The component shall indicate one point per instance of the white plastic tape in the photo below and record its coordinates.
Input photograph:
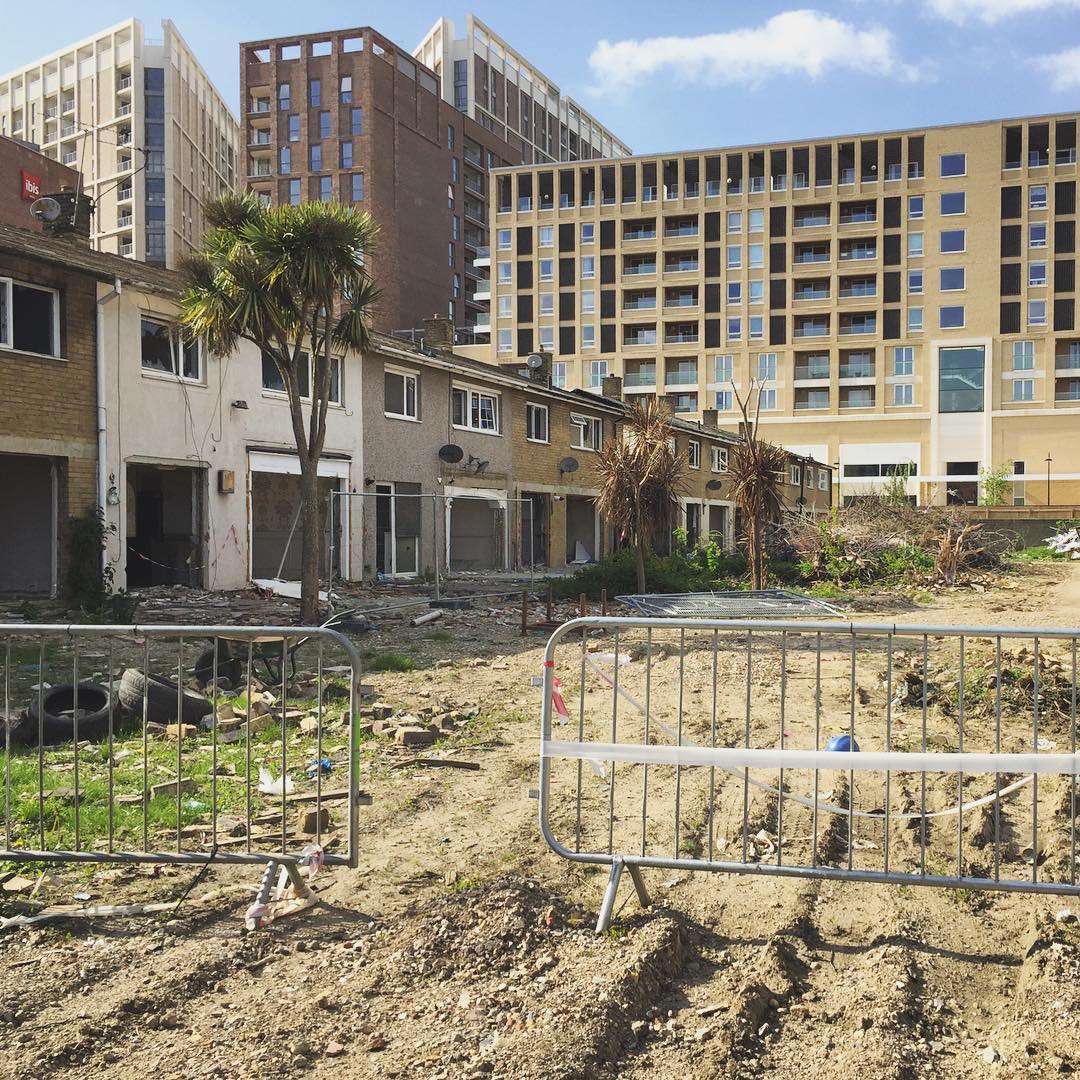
(840, 760)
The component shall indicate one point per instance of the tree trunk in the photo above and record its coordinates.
(312, 544)
(640, 549)
(754, 537)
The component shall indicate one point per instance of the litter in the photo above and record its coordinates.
(323, 765)
(269, 786)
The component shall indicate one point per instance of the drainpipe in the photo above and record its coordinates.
(102, 424)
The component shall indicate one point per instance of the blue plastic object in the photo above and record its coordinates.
(315, 767)
(843, 743)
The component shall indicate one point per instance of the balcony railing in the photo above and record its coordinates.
(643, 337)
(757, 184)
(894, 172)
(814, 401)
(681, 301)
(641, 377)
(68, 106)
(70, 157)
(1066, 156)
(565, 202)
(125, 109)
(123, 194)
(126, 248)
(863, 326)
(648, 194)
(124, 82)
(735, 187)
(123, 165)
(804, 330)
(123, 221)
(1068, 361)
(779, 183)
(799, 181)
(260, 108)
(847, 176)
(856, 401)
(691, 191)
(1069, 390)
(683, 266)
(856, 371)
(681, 376)
(66, 131)
(815, 293)
(682, 230)
(671, 191)
(810, 221)
(915, 170)
(804, 257)
(858, 217)
(642, 303)
(640, 234)
(713, 187)
(857, 254)
(639, 268)
(1038, 158)
(867, 289)
(684, 338)
(820, 371)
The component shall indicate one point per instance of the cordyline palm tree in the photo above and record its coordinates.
(640, 480)
(292, 280)
(755, 469)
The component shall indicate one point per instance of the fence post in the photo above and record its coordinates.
(524, 612)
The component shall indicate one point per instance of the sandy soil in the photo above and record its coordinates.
(462, 947)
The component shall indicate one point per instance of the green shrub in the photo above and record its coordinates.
(1037, 553)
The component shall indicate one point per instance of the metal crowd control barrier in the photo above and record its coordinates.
(144, 770)
(908, 755)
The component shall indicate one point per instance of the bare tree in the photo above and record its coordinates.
(756, 469)
(640, 480)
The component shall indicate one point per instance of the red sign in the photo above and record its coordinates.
(31, 185)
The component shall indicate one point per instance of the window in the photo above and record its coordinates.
(915, 206)
(734, 221)
(954, 164)
(725, 401)
(951, 318)
(588, 302)
(476, 410)
(326, 189)
(547, 303)
(1037, 197)
(284, 94)
(324, 125)
(756, 221)
(734, 329)
(734, 256)
(30, 318)
(1023, 355)
(1036, 313)
(586, 432)
(766, 366)
(1037, 234)
(315, 92)
(757, 256)
(588, 336)
(953, 202)
(588, 267)
(588, 232)
(719, 459)
(536, 423)
(346, 89)
(547, 270)
(914, 282)
(506, 341)
(506, 239)
(162, 350)
(734, 292)
(952, 240)
(693, 454)
(316, 157)
(401, 394)
(346, 155)
(294, 192)
(356, 121)
(903, 360)
(1023, 389)
(558, 374)
(455, 170)
(722, 368)
(546, 338)
(915, 245)
(768, 399)
(952, 278)
(272, 380)
(285, 160)
(506, 273)
(757, 327)
(915, 320)
(903, 393)
(795, 475)
(546, 238)
(757, 292)
(1037, 274)
(961, 374)
(294, 128)
(598, 370)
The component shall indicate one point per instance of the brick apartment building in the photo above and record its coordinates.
(25, 175)
(906, 299)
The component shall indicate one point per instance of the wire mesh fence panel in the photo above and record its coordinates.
(904, 754)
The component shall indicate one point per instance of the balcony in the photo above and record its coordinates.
(473, 239)
(640, 234)
(648, 193)
(857, 397)
(123, 194)
(482, 324)
(260, 168)
(473, 157)
(126, 247)
(847, 176)
(799, 182)
(681, 336)
(51, 112)
(680, 265)
(67, 106)
(644, 376)
(691, 191)
(857, 324)
(482, 293)
(685, 403)
(124, 109)
(475, 187)
(682, 300)
(857, 252)
(640, 303)
(811, 217)
(757, 184)
(811, 399)
(735, 187)
(851, 287)
(69, 157)
(632, 269)
(123, 221)
(858, 215)
(683, 375)
(67, 131)
(680, 230)
(671, 191)
(807, 255)
(812, 369)
(482, 257)
(1067, 390)
(1038, 159)
(124, 165)
(260, 107)
(713, 188)
(812, 290)
(1065, 156)
(808, 328)
(641, 336)
(894, 171)
(915, 170)
(857, 365)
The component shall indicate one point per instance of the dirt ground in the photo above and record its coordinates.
(462, 947)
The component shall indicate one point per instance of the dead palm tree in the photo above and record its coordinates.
(292, 280)
(640, 480)
(756, 470)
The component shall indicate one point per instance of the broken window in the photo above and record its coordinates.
(693, 454)
(401, 394)
(164, 350)
(586, 432)
(536, 422)
(272, 379)
(719, 459)
(29, 318)
(476, 409)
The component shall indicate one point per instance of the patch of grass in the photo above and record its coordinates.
(826, 590)
(440, 635)
(387, 661)
(1036, 553)
(465, 884)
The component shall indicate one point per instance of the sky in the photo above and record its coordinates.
(681, 75)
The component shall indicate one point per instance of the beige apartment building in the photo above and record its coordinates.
(903, 300)
(142, 122)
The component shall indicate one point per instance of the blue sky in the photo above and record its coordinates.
(721, 73)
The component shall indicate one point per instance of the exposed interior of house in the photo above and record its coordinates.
(164, 525)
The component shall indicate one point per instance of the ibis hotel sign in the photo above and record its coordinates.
(31, 185)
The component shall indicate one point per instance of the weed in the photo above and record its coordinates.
(387, 661)
(440, 635)
(465, 884)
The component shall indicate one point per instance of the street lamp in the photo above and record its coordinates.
(1048, 460)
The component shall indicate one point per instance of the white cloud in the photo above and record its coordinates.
(792, 43)
(992, 11)
(1063, 68)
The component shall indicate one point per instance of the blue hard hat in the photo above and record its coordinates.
(844, 743)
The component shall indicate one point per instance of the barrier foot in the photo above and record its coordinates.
(606, 908)
(289, 895)
(639, 886)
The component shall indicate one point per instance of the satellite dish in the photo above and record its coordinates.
(451, 454)
(45, 209)
(568, 465)
(534, 360)
(715, 485)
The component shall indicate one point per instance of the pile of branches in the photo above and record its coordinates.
(875, 539)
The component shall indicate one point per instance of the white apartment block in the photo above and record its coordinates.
(483, 76)
(141, 120)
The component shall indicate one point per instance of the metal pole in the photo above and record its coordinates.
(1049, 459)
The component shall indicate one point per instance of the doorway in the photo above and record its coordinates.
(276, 536)
(29, 491)
(534, 529)
(962, 492)
(164, 525)
(582, 531)
(693, 524)
(397, 529)
(719, 526)
(476, 532)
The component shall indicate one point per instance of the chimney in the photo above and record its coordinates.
(76, 210)
(439, 333)
(708, 419)
(611, 387)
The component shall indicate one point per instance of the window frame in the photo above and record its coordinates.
(942, 250)
(720, 459)
(693, 453)
(534, 409)
(579, 423)
(905, 390)
(405, 374)
(907, 361)
(942, 308)
(1032, 283)
(176, 352)
(7, 325)
(1030, 396)
(479, 393)
(941, 164)
(1026, 355)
